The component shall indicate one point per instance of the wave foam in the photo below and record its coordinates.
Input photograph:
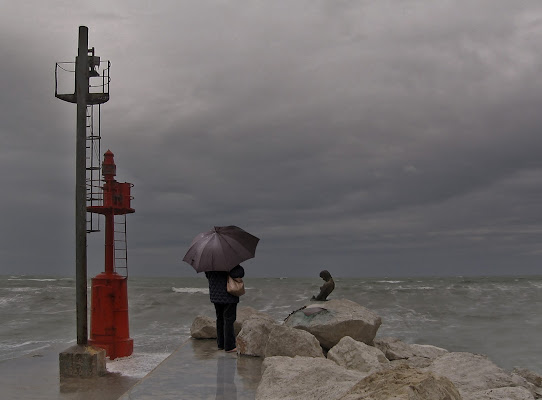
(190, 290)
(138, 365)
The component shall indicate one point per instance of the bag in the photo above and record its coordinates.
(235, 286)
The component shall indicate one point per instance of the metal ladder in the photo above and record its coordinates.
(93, 167)
(121, 245)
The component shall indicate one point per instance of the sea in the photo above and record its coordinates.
(499, 317)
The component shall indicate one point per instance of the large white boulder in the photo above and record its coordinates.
(203, 327)
(351, 354)
(473, 373)
(302, 378)
(403, 383)
(252, 339)
(339, 318)
(290, 342)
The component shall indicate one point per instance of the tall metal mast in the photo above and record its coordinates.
(83, 360)
(81, 92)
(85, 68)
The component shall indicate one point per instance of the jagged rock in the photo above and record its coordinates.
(414, 362)
(302, 378)
(351, 354)
(530, 376)
(290, 342)
(473, 373)
(252, 339)
(427, 351)
(203, 327)
(505, 393)
(403, 383)
(340, 318)
(395, 349)
(244, 313)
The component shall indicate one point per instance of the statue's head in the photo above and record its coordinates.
(325, 275)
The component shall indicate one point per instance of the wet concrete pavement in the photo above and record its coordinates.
(196, 370)
(36, 377)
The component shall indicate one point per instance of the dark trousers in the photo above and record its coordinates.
(225, 317)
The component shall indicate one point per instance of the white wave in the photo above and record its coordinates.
(414, 288)
(389, 281)
(138, 365)
(4, 301)
(24, 289)
(71, 310)
(190, 290)
(41, 343)
(33, 279)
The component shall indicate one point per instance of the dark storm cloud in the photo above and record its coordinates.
(368, 137)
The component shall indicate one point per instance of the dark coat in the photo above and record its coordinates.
(218, 282)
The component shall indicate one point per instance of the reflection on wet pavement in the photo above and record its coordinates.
(198, 370)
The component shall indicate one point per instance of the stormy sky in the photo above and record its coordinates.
(369, 138)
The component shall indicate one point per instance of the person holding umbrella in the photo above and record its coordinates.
(219, 253)
(225, 306)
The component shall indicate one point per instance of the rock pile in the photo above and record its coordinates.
(330, 351)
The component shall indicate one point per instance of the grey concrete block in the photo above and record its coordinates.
(82, 362)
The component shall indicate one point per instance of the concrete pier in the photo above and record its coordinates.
(195, 370)
(198, 370)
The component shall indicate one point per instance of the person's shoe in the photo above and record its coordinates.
(221, 348)
(234, 350)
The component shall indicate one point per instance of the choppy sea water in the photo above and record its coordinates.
(496, 316)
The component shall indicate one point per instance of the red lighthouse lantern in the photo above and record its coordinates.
(109, 328)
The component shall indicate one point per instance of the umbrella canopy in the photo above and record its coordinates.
(221, 249)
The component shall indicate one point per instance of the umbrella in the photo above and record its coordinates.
(221, 249)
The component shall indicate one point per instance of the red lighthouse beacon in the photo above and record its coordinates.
(109, 327)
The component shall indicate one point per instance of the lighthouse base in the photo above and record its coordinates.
(109, 315)
(114, 348)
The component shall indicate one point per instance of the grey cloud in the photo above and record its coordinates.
(371, 137)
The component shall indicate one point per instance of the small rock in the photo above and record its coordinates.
(530, 376)
(395, 349)
(203, 327)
